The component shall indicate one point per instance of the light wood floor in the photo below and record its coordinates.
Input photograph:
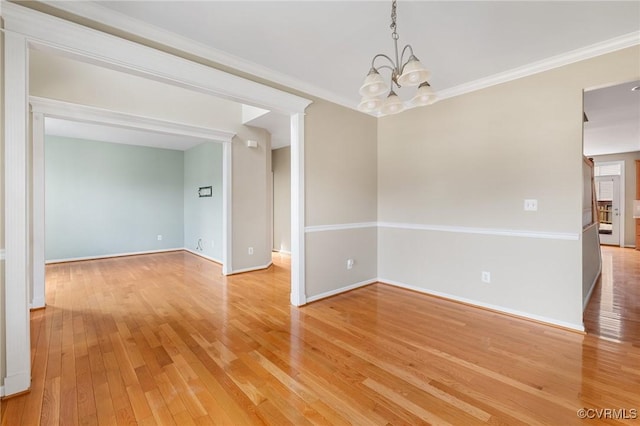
(614, 309)
(165, 339)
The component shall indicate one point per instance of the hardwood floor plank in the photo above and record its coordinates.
(166, 339)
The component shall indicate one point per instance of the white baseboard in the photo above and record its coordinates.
(107, 256)
(17, 383)
(37, 304)
(629, 246)
(256, 268)
(593, 286)
(496, 308)
(1, 391)
(340, 290)
(281, 252)
(197, 253)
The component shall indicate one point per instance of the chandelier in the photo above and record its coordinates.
(410, 73)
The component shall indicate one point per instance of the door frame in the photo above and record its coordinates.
(45, 107)
(621, 192)
(26, 29)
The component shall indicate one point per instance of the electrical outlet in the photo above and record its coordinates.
(486, 277)
(531, 205)
(349, 263)
(251, 250)
(159, 237)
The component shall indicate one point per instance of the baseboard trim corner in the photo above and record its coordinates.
(17, 384)
(204, 256)
(341, 290)
(253, 269)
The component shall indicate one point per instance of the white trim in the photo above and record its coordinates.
(483, 231)
(109, 256)
(298, 291)
(547, 64)
(2, 254)
(585, 302)
(89, 114)
(37, 303)
(340, 290)
(204, 256)
(251, 269)
(285, 252)
(340, 227)
(78, 42)
(629, 246)
(16, 272)
(1, 391)
(621, 196)
(151, 32)
(525, 315)
(162, 36)
(17, 383)
(445, 228)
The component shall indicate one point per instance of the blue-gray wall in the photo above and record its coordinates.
(203, 216)
(105, 198)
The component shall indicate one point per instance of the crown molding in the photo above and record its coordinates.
(587, 52)
(49, 33)
(142, 29)
(120, 21)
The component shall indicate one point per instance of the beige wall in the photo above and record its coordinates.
(341, 188)
(470, 161)
(64, 79)
(340, 165)
(281, 164)
(629, 191)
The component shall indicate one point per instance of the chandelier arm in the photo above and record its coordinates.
(382, 55)
(401, 64)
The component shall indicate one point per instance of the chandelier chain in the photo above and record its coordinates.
(394, 15)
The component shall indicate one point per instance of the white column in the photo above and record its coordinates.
(227, 211)
(16, 71)
(37, 208)
(298, 297)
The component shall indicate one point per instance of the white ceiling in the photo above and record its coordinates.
(324, 48)
(614, 120)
